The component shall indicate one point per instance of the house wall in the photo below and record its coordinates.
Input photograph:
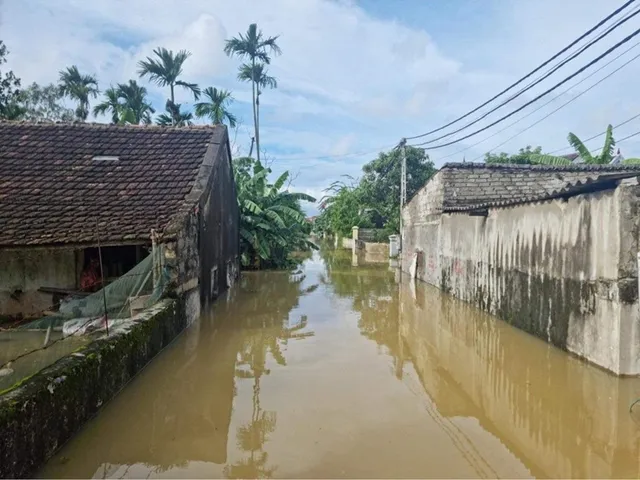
(565, 271)
(219, 232)
(28, 270)
(204, 258)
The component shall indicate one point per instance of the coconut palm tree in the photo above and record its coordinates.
(78, 87)
(174, 116)
(257, 74)
(254, 47)
(215, 108)
(165, 69)
(110, 104)
(134, 98)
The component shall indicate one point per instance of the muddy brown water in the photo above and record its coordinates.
(346, 371)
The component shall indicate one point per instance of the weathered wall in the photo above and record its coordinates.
(346, 242)
(376, 252)
(219, 231)
(44, 411)
(564, 271)
(206, 250)
(28, 270)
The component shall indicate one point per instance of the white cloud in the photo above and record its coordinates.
(348, 81)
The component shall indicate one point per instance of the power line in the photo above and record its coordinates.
(563, 105)
(538, 81)
(559, 84)
(342, 155)
(547, 103)
(597, 135)
(539, 67)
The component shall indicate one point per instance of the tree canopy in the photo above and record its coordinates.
(374, 201)
(272, 222)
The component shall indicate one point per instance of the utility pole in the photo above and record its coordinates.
(403, 184)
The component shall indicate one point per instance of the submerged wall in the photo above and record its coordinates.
(44, 411)
(24, 271)
(565, 271)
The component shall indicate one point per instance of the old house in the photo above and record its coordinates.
(552, 250)
(71, 192)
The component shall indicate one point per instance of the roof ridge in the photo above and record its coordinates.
(98, 125)
(580, 167)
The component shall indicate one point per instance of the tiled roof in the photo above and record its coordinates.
(54, 191)
(469, 186)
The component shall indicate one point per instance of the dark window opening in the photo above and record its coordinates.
(116, 261)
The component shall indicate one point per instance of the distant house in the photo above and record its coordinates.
(67, 189)
(550, 249)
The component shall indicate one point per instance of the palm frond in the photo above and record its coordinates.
(195, 89)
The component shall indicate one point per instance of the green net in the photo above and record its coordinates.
(136, 290)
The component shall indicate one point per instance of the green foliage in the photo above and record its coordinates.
(272, 222)
(79, 87)
(254, 47)
(174, 116)
(375, 200)
(522, 157)
(606, 154)
(126, 103)
(381, 182)
(44, 102)
(110, 104)
(216, 107)
(134, 102)
(9, 89)
(164, 70)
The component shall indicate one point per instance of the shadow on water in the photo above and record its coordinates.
(345, 371)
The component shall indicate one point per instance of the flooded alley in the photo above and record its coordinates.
(346, 371)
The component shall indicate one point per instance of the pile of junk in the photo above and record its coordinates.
(113, 305)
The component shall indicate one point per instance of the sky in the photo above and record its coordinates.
(355, 76)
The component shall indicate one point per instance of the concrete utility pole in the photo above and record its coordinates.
(403, 183)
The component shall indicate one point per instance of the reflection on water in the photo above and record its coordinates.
(344, 371)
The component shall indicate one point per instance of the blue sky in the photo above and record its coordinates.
(355, 75)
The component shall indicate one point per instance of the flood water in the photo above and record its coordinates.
(346, 371)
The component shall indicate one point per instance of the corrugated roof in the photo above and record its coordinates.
(469, 186)
(53, 191)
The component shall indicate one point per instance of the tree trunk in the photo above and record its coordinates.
(173, 102)
(255, 115)
(258, 121)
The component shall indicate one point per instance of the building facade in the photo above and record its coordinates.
(71, 193)
(551, 250)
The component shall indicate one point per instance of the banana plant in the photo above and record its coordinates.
(272, 223)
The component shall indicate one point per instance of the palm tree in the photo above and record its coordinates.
(257, 74)
(78, 87)
(253, 46)
(165, 70)
(174, 117)
(134, 99)
(111, 103)
(216, 106)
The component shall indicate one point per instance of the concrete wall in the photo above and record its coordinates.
(376, 252)
(38, 415)
(564, 271)
(28, 270)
